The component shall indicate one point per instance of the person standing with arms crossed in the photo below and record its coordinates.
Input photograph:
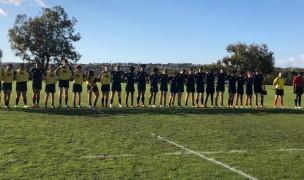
(209, 87)
(77, 85)
(21, 77)
(190, 84)
(153, 87)
(298, 82)
(117, 76)
(278, 84)
(200, 76)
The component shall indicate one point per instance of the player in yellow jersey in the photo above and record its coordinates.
(77, 85)
(92, 87)
(50, 85)
(105, 79)
(8, 78)
(278, 84)
(64, 73)
(21, 77)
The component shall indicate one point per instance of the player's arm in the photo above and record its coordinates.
(71, 70)
(57, 71)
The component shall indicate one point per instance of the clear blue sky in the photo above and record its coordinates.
(167, 31)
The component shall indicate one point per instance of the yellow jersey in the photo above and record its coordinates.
(78, 77)
(64, 73)
(21, 75)
(105, 78)
(91, 81)
(8, 76)
(1, 71)
(50, 78)
(278, 83)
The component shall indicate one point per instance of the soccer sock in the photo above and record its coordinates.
(34, 100)
(17, 101)
(111, 101)
(196, 101)
(38, 99)
(66, 100)
(74, 103)
(262, 102)
(106, 101)
(119, 100)
(60, 101)
(25, 101)
(299, 101)
(296, 102)
(143, 100)
(138, 99)
(102, 101)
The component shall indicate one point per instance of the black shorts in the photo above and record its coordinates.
(21, 86)
(210, 89)
(77, 88)
(240, 91)
(200, 88)
(37, 85)
(130, 88)
(258, 89)
(220, 88)
(154, 88)
(279, 92)
(298, 90)
(163, 87)
(180, 88)
(94, 89)
(7, 86)
(191, 88)
(232, 90)
(105, 87)
(50, 88)
(116, 87)
(141, 86)
(173, 89)
(249, 90)
(64, 83)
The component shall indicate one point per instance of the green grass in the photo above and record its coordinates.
(117, 143)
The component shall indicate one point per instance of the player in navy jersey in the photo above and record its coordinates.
(200, 76)
(180, 78)
(209, 87)
(37, 75)
(117, 76)
(231, 88)
(259, 87)
(240, 89)
(129, 77)
(190, 79)
(141, 77)
(220, 86)
(173, 88)
(163, 78)
(249, 91)
(153, 87)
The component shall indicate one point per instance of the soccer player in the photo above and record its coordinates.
(37, 74)
(173, 88)
(231, 88)
(278, 84)
(249, 91)
(21, 77)
(105, 79)
(92, 87)
(141, 77)
(117, 75)
(129, 77)
(8, 78)
(50, 85)
(200, 76)
(298, 82)
(209, 87)
(77, 85)
(153, 87)
(240, 89)
(220, 86)
(180, 78)
(163, 78)
(190, 79)
(64, 72)
(259, 87)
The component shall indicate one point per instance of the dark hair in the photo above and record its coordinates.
(91, 73)
(143, 66)
(257, 70)
(38, 62)
(78, 66)
(242, 72)
(65, 60)
(118, 66)
(300, 73)
(155, 69)
(10, 64)
(132, 68)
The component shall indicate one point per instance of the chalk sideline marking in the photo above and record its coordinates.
(205, 157)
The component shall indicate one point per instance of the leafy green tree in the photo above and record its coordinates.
(47, 37)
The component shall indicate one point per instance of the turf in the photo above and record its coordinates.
(117, 143)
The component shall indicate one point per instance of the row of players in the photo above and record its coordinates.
(254, 84)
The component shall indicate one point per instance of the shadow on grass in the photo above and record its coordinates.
(156, 111)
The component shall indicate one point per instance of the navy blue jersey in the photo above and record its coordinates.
(116, 76)
(190, 79)
(163, 78)
(210, 79)
(129, 77)
(231, 81)
(37, 74)
(240, 82)
(249, 82)
(200, 78)
(154, 79)
(173, 84)
(141, 77)
(221, 78)
(180, 78)
(258, 80)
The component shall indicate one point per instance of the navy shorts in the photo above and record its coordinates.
(180, 88)
(191, 88)
(50, 88)
(249, 91)
(220, 88)
(77, 88)
(94, 89)
(21, 86)
(37, 85)
(141, 87)
(7, 86)
(258, 89)
(154, 89)
(210, 89)
(130, 88)
(298, 90)
(163, 87)
(279, 92)
(240, 91)
(200, 88)
(116, 87)
(64, 83)
(105, 87)
(232, 90)
(174, 90)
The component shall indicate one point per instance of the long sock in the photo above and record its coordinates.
(119, 100)
(34, 100)
(74, 103)
(25, 101)
(102, 101)
(38, 99)
(296, 102)
(106, 101)
(228, 101)
(143, 100)
(138, 98)
(262, 102)
(60, 101)
(111, 101)
(196, 101)
(17, 101)
(66, 100)
(299, 101)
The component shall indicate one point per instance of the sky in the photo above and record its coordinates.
(171, 31)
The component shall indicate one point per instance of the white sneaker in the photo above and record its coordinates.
(90, 106)
(241, 107)
(66, 106)
(120, 105)
(275, 107)
(149, 105)
(300, 107)
(131, 106)
(111, 105)
(78, 106)
(296, 107)
(153, 106)
(212, 106)
(160, 105)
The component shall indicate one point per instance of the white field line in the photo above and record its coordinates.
(93, 109)
(108, 156)
(205, 157)
(290, 150)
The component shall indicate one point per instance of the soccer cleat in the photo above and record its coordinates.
(90, 106)
(66, 106)
(300, 107)
(160, 105)
(241, 107)
(6, 107)
(212, 106)
(78, 106)
(110, 105)
(120, 105)
(131, 106)
(149, 105)
(52, 107)
(153, 106)
(283, 107)
(25, 106)
(16, 106)
(143, 105)
(275, 107)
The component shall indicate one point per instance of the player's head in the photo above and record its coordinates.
(22, 66)
(132, 69)
(190, 71)
(155, 70)
(200, 69)
(182, 71)
(249, 74)
(78, 67)
(280, 74)
(165, 71)
(38, 64)
(257, 71)
(106, 68)
(52, 67)
(174, 73)
(222, 70)
(91, 73)
(65, 62)
(142, 67)
(9, 67)
(118, 67)
(300, 74)
(242, 73)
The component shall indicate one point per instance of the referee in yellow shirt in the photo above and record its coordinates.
(278, 84)
(21, 77)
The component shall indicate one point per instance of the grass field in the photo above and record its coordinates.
(152, 143)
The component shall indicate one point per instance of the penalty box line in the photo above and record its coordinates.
(205, 157)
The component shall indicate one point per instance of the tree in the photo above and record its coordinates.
(46, 38)
(249, 57)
